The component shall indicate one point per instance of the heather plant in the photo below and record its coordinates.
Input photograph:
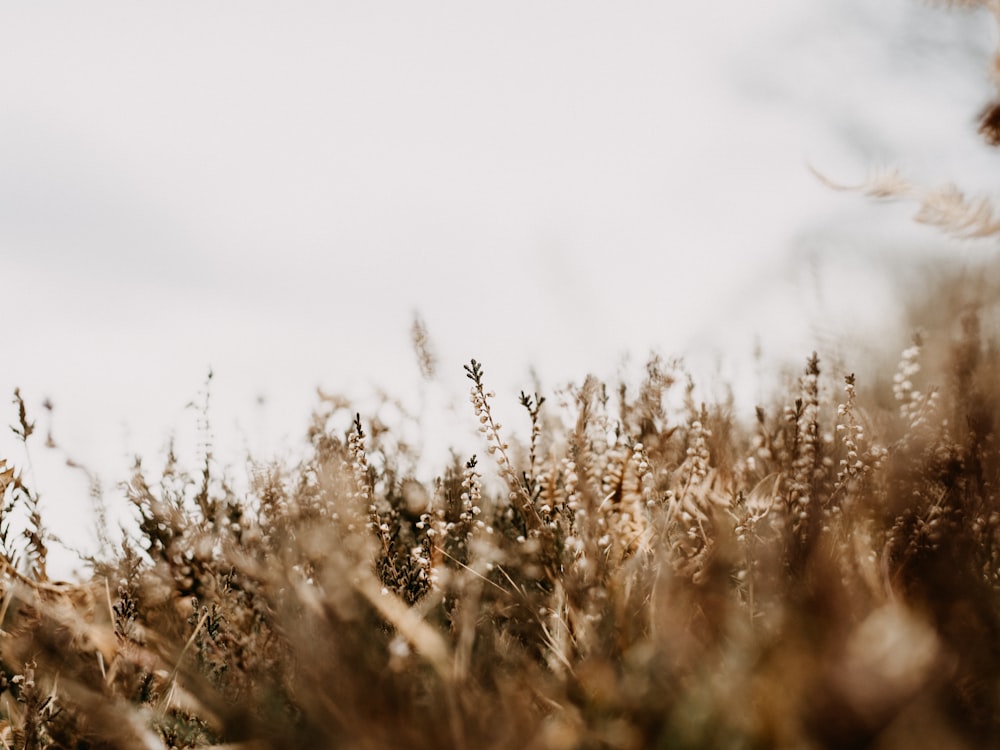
(642, 567)
(642, 571)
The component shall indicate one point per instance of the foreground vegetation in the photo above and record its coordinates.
(644, 570)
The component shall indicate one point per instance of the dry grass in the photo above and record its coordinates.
(643, 571)
(947, 207)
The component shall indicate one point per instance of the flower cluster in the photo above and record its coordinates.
(497, 447)
(915, 407)
(859, 458)
(472, 497)
(698, 456)
(806, 465)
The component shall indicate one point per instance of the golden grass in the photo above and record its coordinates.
(644, 571)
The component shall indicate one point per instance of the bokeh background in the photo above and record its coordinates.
(274, 191)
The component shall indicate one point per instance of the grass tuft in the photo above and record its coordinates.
(640, 571)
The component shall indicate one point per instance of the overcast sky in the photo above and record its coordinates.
(273, 189)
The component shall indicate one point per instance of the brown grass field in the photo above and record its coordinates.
(644, 570)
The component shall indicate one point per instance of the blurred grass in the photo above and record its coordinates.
(643, 570)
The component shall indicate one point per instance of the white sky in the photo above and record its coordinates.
(272, 189)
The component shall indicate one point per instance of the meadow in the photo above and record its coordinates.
(644, 568)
